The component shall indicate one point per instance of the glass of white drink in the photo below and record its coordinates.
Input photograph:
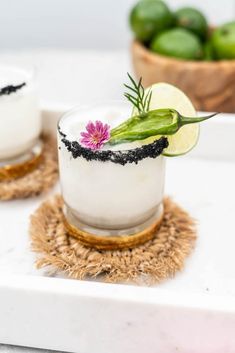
(20, 123)
(112, 191)
(112, 169)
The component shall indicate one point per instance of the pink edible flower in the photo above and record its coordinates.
(96, 135)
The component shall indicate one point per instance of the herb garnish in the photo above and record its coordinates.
(143, 124)
(149, 123)
(141, 100)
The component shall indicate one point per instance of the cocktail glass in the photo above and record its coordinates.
(20, 123)
(111, 192)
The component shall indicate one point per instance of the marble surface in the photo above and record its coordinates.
(192, 183)
(65, 78)
(16, 349)
(203, 187)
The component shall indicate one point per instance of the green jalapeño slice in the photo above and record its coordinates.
(153, 123)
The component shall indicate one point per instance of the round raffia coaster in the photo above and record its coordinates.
(150, 263)
(39, 180)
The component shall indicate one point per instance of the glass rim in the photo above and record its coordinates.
(78, 107)
(29, 71)
(133, 155)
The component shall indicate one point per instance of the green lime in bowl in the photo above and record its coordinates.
(223, 41)
(193, 20)
(178, 43)
(208, 51)
(149, 17)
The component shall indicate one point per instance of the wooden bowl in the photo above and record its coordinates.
(210, 85)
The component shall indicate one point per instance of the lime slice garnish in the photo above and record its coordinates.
(165, 95)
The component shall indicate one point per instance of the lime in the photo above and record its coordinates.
(149, 17)
(193, 20)
(165, 95)
(223, 41)
(208, 52)
(178, 43)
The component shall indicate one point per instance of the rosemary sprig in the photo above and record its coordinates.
(140, 99)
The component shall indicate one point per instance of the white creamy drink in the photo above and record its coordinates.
(107, 194)
(20, 121)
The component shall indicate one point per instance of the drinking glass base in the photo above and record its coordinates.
(21, 165)
(112, 239)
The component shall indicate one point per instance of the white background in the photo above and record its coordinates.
(85, 24)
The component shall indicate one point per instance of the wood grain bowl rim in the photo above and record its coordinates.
(138, 49)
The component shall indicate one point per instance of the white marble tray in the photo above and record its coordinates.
(192, 313)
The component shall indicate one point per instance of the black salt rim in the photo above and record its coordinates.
(135, 155)
(11, 89)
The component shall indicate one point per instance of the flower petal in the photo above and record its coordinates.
(97, 134)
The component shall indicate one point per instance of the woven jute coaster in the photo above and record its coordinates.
(39, 180)
(150, 263)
